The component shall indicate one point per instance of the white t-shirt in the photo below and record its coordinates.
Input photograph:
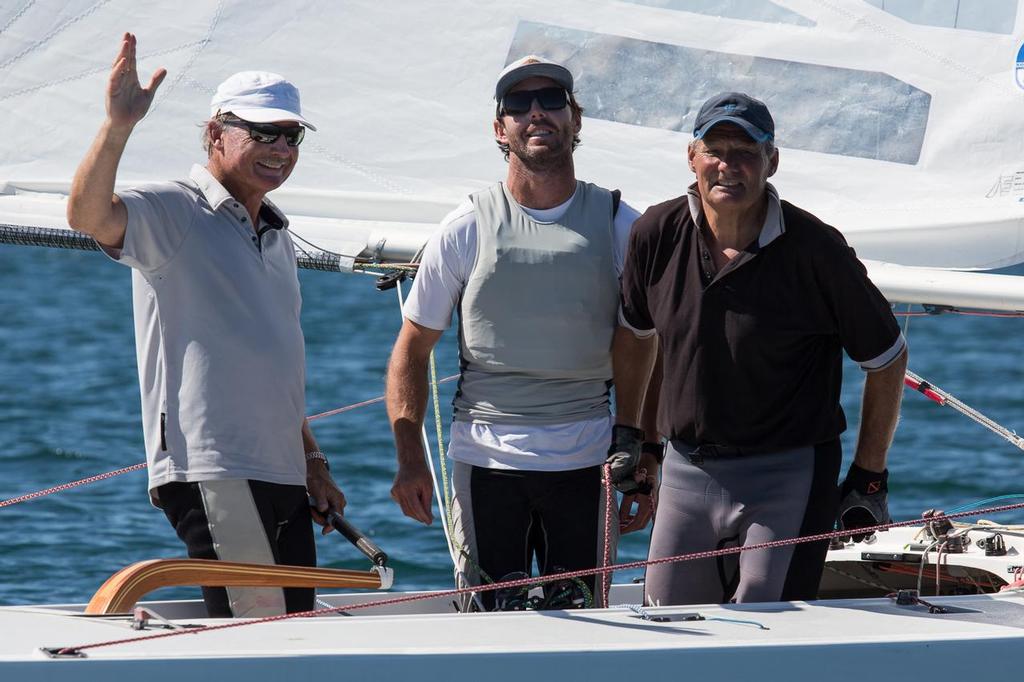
(448, 259)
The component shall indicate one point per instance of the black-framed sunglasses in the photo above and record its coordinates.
(520, 101)
(267, 133)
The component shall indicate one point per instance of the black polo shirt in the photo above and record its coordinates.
(753, 353)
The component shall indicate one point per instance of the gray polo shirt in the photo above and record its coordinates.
(219, 344)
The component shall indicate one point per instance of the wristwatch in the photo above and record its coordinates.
(316, 454)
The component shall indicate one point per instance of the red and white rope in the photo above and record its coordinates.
(609, 518)
(371, 401)
(72, 484)
(142, 465)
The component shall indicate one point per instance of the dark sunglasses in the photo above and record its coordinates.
(520, 101)
(267, 133)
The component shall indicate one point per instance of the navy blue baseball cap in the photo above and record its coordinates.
(735, 107)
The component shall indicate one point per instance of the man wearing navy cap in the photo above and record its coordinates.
(753, 301)
(531, 265)
(220, 348)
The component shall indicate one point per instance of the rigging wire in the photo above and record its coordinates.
(323, 260)
(982, 503)
(936, 394)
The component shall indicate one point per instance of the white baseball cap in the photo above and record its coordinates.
(258, 97)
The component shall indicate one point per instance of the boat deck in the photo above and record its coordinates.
(425, 638)
(847, 639)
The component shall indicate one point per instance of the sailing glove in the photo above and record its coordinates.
(623, 457)
(863, 501)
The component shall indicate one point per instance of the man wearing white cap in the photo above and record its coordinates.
(220, 348)
(532, 267)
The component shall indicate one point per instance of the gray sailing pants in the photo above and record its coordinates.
(742, 500)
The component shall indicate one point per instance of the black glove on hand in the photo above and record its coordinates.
(623, 456)
(863, 501)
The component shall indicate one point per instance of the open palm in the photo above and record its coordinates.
(127, 100)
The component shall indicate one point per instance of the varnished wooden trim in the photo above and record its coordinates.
(123, 589)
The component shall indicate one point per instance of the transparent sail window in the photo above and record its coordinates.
(865, 114)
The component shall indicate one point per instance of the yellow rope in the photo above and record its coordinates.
(440, 450)
(446, 491)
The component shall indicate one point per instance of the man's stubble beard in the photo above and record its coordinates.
(545, 160)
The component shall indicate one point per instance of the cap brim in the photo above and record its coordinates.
(555, 72)
(269, 116)
(755, 133)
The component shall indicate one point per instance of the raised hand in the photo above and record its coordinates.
(127, 100)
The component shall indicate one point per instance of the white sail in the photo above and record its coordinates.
(899, 123)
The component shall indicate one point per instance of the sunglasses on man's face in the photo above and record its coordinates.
(521, 101)
(267, 133)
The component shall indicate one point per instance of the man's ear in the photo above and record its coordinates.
(215, 132)
(773, 163)
(499, 131)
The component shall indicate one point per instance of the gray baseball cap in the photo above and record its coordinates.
(528, 67)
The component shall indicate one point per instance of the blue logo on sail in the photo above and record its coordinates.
(1019, 71)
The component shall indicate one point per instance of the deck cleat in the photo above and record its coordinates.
(994, 545)
(939, 528)
(955, 544)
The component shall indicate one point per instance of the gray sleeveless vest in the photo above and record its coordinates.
(538, 312)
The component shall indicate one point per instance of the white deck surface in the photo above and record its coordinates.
(851, 639)
(843, 638)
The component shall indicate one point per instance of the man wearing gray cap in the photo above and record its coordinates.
(754, 301)
(531, 265)
(220, 348)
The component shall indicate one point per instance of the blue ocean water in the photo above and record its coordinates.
(69, 408)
